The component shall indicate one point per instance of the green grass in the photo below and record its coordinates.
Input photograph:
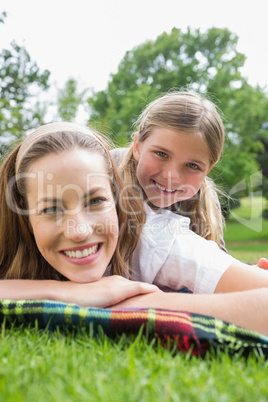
(246, 232)
(54, 366)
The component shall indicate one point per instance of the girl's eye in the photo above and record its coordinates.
(193, 166)
(161, 154)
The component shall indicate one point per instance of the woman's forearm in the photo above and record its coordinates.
(247, 309)
(17, 289)
(103, 293)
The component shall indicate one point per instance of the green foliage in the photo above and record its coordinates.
(69, 99)
(176, 60)
(203, 61)
(20, 84)
(3, 16)
(207, 62)
(263, 161)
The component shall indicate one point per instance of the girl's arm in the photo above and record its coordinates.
(104, 293)
(241, 276)
(247, 309)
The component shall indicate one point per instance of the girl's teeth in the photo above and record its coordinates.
(164, 189)
(82, 254)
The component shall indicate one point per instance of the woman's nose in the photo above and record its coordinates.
(77, 228)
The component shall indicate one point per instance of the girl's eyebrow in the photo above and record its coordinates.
(162, 148)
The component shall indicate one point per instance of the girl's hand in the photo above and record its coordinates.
(108, 291)
(262, 263)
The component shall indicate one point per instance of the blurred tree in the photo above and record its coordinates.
(263, 161)
(244, 112)
(206, 62)
(176, 60)
(3, 16)
(69, 100)
(21, 83)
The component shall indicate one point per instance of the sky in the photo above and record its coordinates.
(87, 39)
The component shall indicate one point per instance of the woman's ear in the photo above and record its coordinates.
(136, 147)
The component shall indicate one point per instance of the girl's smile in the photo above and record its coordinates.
(72, 213)
(171, 165)
(164, 190)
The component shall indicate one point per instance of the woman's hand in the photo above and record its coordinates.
(108, 291)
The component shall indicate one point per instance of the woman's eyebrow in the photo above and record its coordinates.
(49, 199)
(56, 200)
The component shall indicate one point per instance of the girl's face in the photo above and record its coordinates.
(171, 165)
(72, 213)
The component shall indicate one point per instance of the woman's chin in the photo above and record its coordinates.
(83, 278)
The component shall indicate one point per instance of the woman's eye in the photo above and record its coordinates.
(193, 166)
(96, 201)
(161, 154)
(50, 210)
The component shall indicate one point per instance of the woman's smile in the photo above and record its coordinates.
(84, 255)
(82, 251)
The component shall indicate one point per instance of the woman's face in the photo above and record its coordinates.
(72, 213)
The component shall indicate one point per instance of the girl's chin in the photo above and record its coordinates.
(162, 203)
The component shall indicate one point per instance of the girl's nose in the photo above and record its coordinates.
(172, 174)
(77, 228)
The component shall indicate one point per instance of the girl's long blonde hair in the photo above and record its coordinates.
(19, 255)
(191, 113)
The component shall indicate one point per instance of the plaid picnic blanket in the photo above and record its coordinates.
(192, 333)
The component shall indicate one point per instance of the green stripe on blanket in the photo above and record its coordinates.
(191, 332)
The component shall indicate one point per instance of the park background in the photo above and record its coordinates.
(100, 63)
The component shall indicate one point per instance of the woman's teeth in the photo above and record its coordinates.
(82, 254)
(164, 189)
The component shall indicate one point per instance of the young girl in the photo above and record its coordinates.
(179, 139)
(61, 218)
